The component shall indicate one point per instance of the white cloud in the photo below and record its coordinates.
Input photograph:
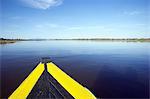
(42, 4)
(47, 25)
(58, 26)
(52, 25)
(132, 12)
(39, 26)
(85, 27)
(16, 17)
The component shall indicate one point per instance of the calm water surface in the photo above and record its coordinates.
(108, 69)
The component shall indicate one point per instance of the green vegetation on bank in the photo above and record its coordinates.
(119, 39)
(6, 41)
(110, 39)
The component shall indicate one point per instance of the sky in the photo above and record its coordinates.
(75, 18)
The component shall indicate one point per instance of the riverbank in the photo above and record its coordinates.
(110, 39)
(7, 41)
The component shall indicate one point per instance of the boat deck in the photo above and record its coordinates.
(48, 87)
(47, 80)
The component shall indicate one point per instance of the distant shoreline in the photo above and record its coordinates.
(6, 41)
(110, 39)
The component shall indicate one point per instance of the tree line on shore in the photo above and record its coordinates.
(96, 39)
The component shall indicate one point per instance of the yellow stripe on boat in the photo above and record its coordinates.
(26, 86)
(73, 87)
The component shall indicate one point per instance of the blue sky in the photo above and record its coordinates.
(74, 18)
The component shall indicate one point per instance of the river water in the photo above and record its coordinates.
(107, 69)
